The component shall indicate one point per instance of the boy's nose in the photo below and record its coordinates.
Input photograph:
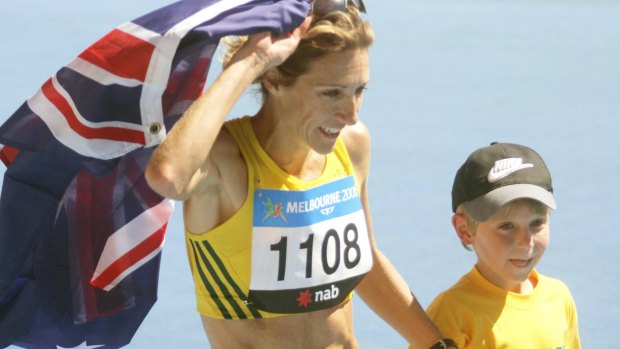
(525, 238)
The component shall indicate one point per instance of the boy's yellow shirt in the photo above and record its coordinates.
(477, 314)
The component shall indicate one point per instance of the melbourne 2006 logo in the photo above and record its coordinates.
(272, 210)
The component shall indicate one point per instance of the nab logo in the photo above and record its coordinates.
(305, 298)
(273, 210)
(327, 294)
(327, 210)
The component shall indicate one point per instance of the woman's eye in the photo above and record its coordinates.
(331, 93)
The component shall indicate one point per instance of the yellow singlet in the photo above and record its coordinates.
(283, 223)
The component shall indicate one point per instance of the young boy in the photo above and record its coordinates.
(502, 198)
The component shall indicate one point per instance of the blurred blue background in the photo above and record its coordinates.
(447, 77)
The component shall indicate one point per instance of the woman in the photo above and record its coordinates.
(276, 211)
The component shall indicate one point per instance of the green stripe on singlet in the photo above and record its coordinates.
(207, 284)
(230, 280)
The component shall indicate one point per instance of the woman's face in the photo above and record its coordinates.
(325, 100)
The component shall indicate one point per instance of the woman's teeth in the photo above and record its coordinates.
(330, 130)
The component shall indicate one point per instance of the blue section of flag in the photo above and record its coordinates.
(291, 208)
(117, 100)
(76, 153)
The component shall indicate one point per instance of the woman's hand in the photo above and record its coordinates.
(265, 51)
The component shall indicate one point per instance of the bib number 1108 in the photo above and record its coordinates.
(351, 252)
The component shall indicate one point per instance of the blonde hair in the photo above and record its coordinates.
(335, 32)
(505, 211)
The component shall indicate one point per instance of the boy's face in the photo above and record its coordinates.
(510, 244)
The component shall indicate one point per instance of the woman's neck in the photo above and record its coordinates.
(282, 147)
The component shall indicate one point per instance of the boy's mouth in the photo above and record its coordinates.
(521, 263)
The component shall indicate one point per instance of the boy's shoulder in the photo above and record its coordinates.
(465, 293)
(552, 285)
(472, 292)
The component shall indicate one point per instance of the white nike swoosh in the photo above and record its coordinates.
(496, 175)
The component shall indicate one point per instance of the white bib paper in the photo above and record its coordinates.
(309, 248)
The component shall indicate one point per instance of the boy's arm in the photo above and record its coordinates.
(572, 335)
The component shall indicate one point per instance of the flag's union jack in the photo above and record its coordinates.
(80, 230)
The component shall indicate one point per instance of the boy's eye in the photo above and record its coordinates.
(538, 223)
(506, 226)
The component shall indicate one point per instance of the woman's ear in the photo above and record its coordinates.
(271, 80)
(463, 231)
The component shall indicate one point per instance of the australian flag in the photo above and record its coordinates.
(80, 230)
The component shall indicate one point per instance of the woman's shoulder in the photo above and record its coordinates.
(356, 133)
(226, 157)
(224, 145)
(223, 163)
(357, 141)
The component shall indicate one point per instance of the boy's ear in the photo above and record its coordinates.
(271, 80)
(459, 222)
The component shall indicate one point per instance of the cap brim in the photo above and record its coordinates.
(482, 208)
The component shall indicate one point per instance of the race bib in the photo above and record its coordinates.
(309, 248)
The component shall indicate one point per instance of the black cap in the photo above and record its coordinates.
(497, 174)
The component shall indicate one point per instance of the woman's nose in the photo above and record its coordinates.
(349, 110)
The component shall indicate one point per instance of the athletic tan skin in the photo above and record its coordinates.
(201, 165)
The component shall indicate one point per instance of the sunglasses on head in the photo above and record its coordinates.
(322, 7)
